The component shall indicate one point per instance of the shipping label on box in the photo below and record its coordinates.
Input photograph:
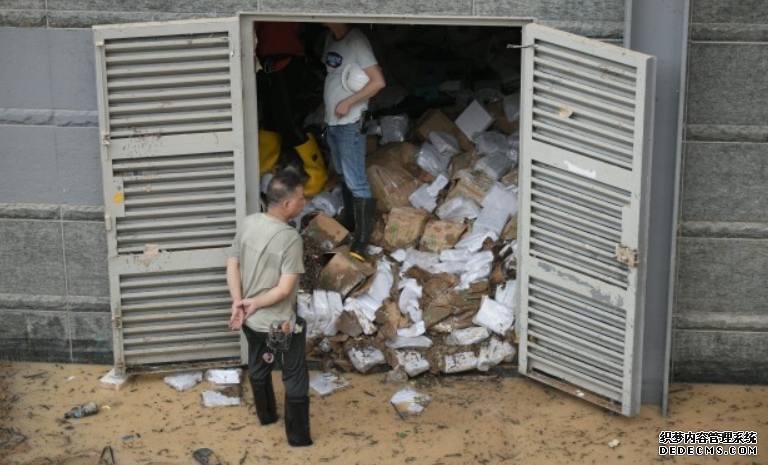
(441, 235)
(435, 120)
(404, 227)
(343, 274)
(326, 232)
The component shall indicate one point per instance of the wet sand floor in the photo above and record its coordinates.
(510, 420)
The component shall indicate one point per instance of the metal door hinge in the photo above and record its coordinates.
(117, 322)
(626, 255)
(105, 138)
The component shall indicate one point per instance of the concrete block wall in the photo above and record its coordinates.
(721, 320)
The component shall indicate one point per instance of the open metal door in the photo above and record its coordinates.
(584, 177)
(170, 116)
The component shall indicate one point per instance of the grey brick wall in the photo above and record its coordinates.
(721, 320)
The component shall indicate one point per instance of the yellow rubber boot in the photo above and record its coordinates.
(314, 165)
(269, 151)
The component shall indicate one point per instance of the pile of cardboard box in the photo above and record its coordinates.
(438, 291)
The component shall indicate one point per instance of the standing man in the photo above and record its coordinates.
(264, 265)
(344, 109)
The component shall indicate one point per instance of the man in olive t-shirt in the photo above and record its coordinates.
(263, 270)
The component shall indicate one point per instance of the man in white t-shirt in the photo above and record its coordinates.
(344, 109)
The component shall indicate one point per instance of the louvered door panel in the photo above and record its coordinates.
(586, 110)
(172, 149)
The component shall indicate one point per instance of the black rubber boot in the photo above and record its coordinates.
(297, 421)
(365, 214)
(264, 399)
(348, 220)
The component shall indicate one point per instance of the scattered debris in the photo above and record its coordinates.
(219, 399)
(614, 443)
(409, 402)
(206, 456)
(327, 383)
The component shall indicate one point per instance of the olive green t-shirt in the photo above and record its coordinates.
(268, 248)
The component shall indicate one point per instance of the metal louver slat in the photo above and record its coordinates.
(171, 122)
(584, 140)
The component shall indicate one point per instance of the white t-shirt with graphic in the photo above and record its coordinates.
(353, 48)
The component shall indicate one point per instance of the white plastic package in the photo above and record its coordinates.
(458, 209)
(393, 128)
(218, 399)
(415, 330)
(491, 143)
(330, 203)
(365, 358)
(456, 363)
(501, 198)
(474, 240)
(437, 185)
(327, 383)
(419, 259)
(431, 161)
(477, 269)
(410, 402)
(327, 307)
(422, 199)
(420, 342)
(374, 297)
(445, 143)
(412, 362)
(511, 106)
(467, 336)
(506, 294)
(448, 267)
(399, 255)
(183, 381)
(410, 293)
(491, 220)
(494, 352)
(495, 166)
(224, 375)
(514, 141)
(494, 316)
(352, 304)
(455, 255)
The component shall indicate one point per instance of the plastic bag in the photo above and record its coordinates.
(330, 203)
(514, 141)
(467, 336)
(511, 105)
(455, 255)
(415, 330)
(506, 294)
(224, 376)
(326, 306)
(410, 293)
(419, 259)
(474, 240)
(491, 143)
(448, 267)
(445, 143)
(184, 380)
(501, 198)
(437, 185)
(458, 209)
(494, 316)
(393, 128)
(477, 269)
(218, 399)
(431, 161)
(495, 166)
(374, 297)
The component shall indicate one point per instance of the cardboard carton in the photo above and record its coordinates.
(441, 235)
(326, 231)
(404, 227)
(435, 120)
(391, 186)
(474, 185)
(343, 273)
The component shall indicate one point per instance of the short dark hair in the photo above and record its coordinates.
(282, 186)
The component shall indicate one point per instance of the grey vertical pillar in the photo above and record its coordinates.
(660, 28)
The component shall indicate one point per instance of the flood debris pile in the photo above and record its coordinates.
(438, 291)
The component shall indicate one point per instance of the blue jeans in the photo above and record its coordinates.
(347, 144)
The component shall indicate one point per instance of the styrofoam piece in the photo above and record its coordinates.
(410, 402)
(399, 255)
(412, 362)
(502, 199)
(494, 316)
(462, 361)
(495, 165)
(474, 240)
(467, 336)
(445, 143)
(437, 185)
(217, 399)
(416, 329)
(494, 352)
(475, 118)
(431, 161)
(458, 209)
(506, 294)
(420, 198)
(365, 358)
(327, 383)
(184, 380)
(224, 375)
(491, 220)
(410, 293)
(491, 143)
(420, 342)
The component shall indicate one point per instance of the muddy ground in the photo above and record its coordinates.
(470, 420)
